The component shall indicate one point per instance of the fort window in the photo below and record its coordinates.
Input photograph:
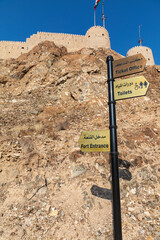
(102, 34)
(147, 50)
(89, 36)
(22, 47)
(148, 58)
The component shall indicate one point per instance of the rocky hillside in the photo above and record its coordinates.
(49, 189)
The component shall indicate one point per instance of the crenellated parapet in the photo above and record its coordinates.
(70, 41)
(95, 37)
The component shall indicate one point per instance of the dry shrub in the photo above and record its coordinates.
(51, 132)
(75, 155)
(62, 125)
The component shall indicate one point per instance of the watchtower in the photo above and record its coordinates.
(97, 37)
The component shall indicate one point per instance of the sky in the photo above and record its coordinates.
(21, 18)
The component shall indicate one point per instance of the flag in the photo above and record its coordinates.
(96, 4)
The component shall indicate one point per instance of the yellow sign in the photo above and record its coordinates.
(130, 87)
(95, 141)
(128, 65)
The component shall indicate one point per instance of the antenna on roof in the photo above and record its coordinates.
(140, 40)
(103, 17)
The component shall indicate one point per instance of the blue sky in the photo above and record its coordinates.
(20, 18)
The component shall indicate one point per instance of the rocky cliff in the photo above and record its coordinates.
(49, 189)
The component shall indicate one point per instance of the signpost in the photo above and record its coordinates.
(95, 141)
(114, 154)
(130, 87)
(128, 65)
(117, 90)
(106, 140)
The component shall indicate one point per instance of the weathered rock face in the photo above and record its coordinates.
(49, 189)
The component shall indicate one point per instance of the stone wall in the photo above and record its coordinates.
(10, 49)
(71, 42)
(95, 37)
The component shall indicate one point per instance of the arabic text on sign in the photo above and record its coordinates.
(94, 137)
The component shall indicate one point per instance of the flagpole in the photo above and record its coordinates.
(140, 40)
(94, 17)
(103, 17)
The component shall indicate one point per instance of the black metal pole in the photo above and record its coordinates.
(114, 154)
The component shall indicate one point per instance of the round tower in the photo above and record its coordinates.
(97, 37)
(145, 51)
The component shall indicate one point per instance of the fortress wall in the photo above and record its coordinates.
(71, 42)
(95, 37)
(9, 49)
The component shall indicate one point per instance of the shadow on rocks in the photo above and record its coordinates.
(101, 192)
(124, 163)
(107, 193)
(125, 174)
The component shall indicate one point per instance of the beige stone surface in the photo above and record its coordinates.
(47, 98)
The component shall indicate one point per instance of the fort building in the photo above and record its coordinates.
(95, 37)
